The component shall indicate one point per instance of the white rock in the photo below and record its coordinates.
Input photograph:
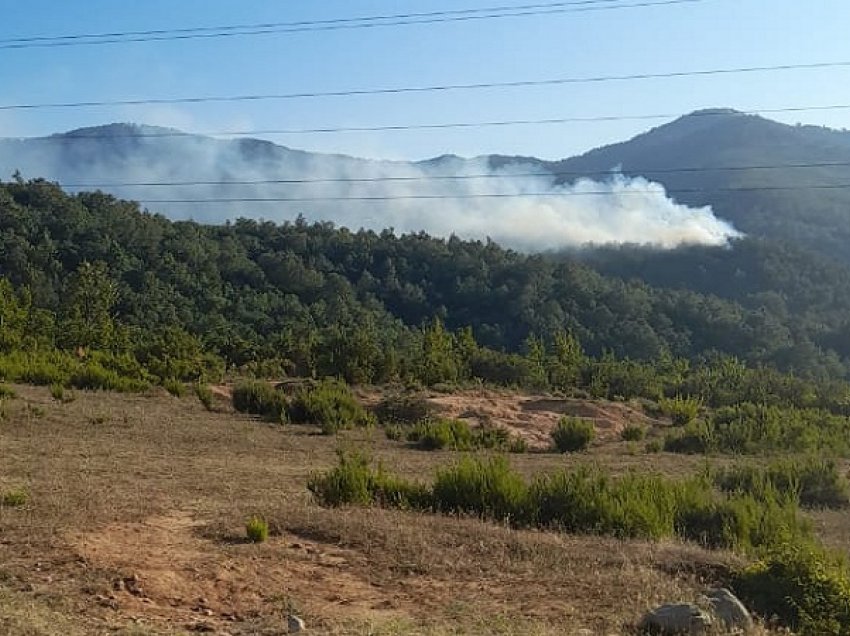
(296, 624)
(729, 611)
(679, 619)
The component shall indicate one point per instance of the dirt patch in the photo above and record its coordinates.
(169, 572)
(534, 417)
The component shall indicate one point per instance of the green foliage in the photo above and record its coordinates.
(572, 434)
(14, 498)
(353, 481)
(585, 500)
(682, 410)
(486, 488)
(174, 387)
(806, 588)
(205, 395)
(7, 392)
(408, 408)
(757, 428)
(435, 434)
(654, 446)
(633, 433)
(331, 406)
(257, 530)
(815, 482)
(260, 398)
(57, 392)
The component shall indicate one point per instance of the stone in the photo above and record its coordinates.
(729, 611)
(296, 624)
(682, 619)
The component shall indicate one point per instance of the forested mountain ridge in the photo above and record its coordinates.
(701, 157)
(258, 290)
(768, 179)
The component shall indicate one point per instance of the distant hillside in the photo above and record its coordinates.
(817, 218)
(406, 196)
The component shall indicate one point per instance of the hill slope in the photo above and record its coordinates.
(713, 141)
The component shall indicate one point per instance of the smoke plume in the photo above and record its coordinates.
(514, 205)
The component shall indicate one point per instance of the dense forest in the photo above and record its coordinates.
(255, 292)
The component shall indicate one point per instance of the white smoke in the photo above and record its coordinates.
(515, 205)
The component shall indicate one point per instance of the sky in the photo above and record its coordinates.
(709, 34)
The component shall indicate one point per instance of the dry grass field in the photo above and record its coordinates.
(137, 505)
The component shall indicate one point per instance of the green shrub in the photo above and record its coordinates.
(205, 395)
(654, 446)
(174, 387)
(585, 500)
(57, 392)
(694, 439)
(14, 498)
(394, 432)
(517, 445)
(682, 410)
(92, 376)
(353, 481)
(260, 398)
(633, 433)
(442, 433)
(403, 409)
(487, 488)
(257, 530)
(331, 406)
(815, 482)
(807, 589)
(572, 434)
(6, 392)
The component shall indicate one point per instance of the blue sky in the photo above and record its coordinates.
(708, 34)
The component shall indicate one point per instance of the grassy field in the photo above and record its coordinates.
(134, 524)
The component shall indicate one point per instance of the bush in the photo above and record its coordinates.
(486, 488)
(442, 433)
(633, 433)
(353, 481)
(682, 410)
(403, 409)
(654, 446)
(94, 377)
(6, 392)
(572, 434)
(807, 589)
(257, 530)
(205, 396)
(815, 482)
(174, 387)
(586, 500)
(331, 406)
(260, 398)
(57, 392)
(14, 498)
(394, 432)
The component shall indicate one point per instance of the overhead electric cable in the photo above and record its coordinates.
(401, 19)
(455, 177)
(434, 88)
(403, 127)
(493, 195)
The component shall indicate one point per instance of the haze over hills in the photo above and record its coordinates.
(700, 159)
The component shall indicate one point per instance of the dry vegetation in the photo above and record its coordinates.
(135, 524)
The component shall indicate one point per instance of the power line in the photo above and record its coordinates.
(434, 88)
(461, 177)
(448, 125)
(401, 19)
(493, 195)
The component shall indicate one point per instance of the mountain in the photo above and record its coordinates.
(728, 161)
(766, 179)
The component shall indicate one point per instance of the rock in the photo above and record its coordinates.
(679, 619)
(729, 611)
(296, 624)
